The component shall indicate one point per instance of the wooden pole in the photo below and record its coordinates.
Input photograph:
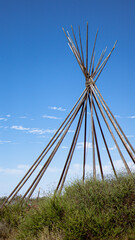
(93, 51)
(122, 157)
(98, 153)
(47, 149)
(100, 59)
(81, 45)
(74, 50)
(45, 166)
(38, 160)
(77, 45)
(115, 127)
(115, 120)
(92, 127)
(103, 136)
(73, 146)
(85, 131)
(62, 174)
(87, 49)
(103, 64)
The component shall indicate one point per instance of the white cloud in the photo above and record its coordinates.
(23, 117)
(3, 119)
(117, 116)
(8, 115)
(2, 142)
(58, 108)
(107, 169)
(23, 166)
(20, 128)
(37, 131)
(131, 117)
(11, 171)
(64, 147)
(110, 148)
(50, 117)
(81, 145)
(41, 131)
(54, 169)
(34, 130)
(18, 170)
(71, 131)
(130, 136)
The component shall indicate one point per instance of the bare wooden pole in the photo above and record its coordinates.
(92, 71)
(115, 127)
(98, 152)
(62, 174)
(38, 160)
(103, 136)
(84, 156)
(122, 157)
(97, 147)
(115, 121)
(73, 46)
(79, 127)
(100, 59)
(81, 45)
(29, 173)
(74, 50)
(77, 45)
(100, 69)
(42, 171)
(93, 51)
(87, 49)
(92, 127)
(41, 158)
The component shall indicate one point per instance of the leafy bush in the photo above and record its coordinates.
(94, 210)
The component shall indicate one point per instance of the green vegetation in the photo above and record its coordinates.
(95, 210)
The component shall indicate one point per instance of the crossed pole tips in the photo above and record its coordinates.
(92, 100)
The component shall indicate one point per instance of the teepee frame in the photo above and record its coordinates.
(90, 98)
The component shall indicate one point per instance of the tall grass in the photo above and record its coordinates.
(94, 210)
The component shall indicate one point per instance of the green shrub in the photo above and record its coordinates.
(94, 210)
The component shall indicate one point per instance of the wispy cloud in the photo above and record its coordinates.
(8, 115)
(110, 148)
(51, 117)
(41, 131)
(71, 131)
(117, 116)
(107, 169)
(33, 130)
(2, 142)
(58, 109)
(131, 117)
(18, 170)
(64, 147)
(130, 136)
(81, 145)
(23, 117)
(20, 128)
(3, 119)
(54, 169)
(11, 171)
(23, 166)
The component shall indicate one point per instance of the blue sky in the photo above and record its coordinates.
(41, 80)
